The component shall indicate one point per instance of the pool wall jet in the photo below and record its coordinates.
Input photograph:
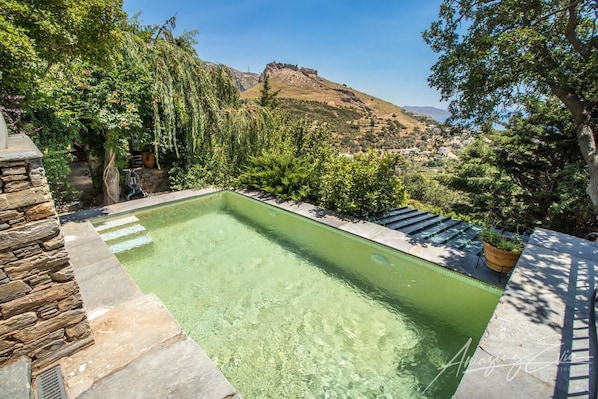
(41, 310)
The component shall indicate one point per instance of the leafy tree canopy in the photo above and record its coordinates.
(529, 175)
(34, 34)
(494, 54)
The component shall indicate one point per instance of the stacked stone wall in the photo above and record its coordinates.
(41, 310)
(153, 180)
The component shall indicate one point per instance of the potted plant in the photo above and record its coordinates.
(501, 252)
(148, 159)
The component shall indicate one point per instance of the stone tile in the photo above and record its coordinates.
(540, 324)
(121, 336)
(363, 229)
(105, 284)
(84, 245)
(396, 240)
(76, 234)
(484, 379)
(564, 243)
(15, 379)
(195, 376)
(20, 147)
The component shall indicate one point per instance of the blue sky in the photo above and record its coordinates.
(375, 47)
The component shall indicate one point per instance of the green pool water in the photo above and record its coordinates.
(290, 308)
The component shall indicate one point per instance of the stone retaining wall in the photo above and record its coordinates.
(41, 310)
(153, 180)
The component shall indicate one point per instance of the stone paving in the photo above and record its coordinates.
(537, 344)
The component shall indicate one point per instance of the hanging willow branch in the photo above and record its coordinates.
(196, 107)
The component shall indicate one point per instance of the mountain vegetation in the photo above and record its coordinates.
(80, 72)
(357, 121)
(496, 55)
(153, 92)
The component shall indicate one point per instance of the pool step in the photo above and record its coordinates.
(439, 230)
(410, 221)
(117, 223)
(123, 234)
(130, 244)
(127, 231)
(395, 215)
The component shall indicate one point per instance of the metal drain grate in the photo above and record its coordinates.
(50, 385)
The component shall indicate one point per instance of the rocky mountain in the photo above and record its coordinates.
(357, 120)
(438, 114)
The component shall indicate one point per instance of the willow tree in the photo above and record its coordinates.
(196, 108)
(187, 96)
(495, 54)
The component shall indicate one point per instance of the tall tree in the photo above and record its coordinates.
(531, 174)
(267, 97)
(36, 34)
(494, 54)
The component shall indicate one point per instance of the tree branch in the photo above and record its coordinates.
(571, 35)
(572, 4)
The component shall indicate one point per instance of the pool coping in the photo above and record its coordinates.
(548, 253)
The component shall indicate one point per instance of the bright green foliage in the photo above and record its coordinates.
(55, 142)
(194, 177)
(283, 175)
(430, 191)
(529, 175)
(494, 55)
(360, 186)
(500, 241)
(35, 34)
(57, 169)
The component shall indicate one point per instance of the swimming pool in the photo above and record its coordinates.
(288, 307)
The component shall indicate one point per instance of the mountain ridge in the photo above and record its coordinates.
(438, 114)
(357, 120)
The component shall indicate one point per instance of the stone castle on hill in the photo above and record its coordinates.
(273, 66)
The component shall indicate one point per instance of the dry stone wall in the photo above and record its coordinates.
(41, 310)
(153, 180)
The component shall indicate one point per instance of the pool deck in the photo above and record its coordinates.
(140, 351)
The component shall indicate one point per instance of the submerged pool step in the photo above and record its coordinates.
(127, 231)
(117, 223)
(130, 244)
(123, 234)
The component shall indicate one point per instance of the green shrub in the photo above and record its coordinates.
(283, 175)
(57, 169)
(183, 178)
(430, 191)
(361, 186)
(500, 241)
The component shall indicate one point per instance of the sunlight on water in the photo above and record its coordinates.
(279, 325)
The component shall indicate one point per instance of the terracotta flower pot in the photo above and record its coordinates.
(148, 159)
(500, 260)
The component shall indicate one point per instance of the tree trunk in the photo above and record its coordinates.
(589, 149)
(111, 179)
(581, 110)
